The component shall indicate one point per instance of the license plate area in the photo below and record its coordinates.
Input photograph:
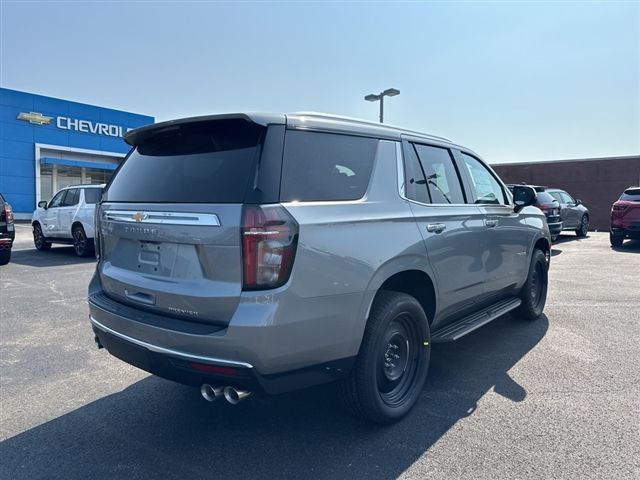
(156, 258)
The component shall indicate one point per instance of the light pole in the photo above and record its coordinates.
(389, 92)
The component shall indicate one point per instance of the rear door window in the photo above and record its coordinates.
(204, 162)
(566, 198)
(326, 166)
(441, 175)
(556, 195)
(71, 198)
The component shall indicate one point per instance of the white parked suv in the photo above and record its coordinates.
(68, 219)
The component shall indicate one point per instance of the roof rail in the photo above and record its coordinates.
(360, 121)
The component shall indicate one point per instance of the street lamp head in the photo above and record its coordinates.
(391, 92)
(372, 98)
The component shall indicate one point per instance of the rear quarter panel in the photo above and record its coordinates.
(348, 249)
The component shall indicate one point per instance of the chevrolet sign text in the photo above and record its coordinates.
(86, 126)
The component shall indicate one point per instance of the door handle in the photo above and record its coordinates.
(436, 227)
(491, 223)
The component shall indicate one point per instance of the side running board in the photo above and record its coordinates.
(468, 324)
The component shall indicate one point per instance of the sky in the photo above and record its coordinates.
(514, 81)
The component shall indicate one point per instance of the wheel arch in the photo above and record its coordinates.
(411, 275)
(77, 223)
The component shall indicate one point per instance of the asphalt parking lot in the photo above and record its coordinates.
(557, 398)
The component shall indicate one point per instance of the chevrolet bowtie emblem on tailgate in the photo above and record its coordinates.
(139, 216)
(35, 118)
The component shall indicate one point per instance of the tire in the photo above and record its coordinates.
(615, 240)
(5, 256)
(534, 291)
(39, 239)
(392, 365)
(82, 246)
(584, 227)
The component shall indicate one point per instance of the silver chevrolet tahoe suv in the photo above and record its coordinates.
(254, 253)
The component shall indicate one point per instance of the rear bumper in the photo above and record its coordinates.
(268, 345)
(555, 227)
(194, 370)
(6, 243)
(631, 231)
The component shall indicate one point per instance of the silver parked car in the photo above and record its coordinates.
(264, 253)
(574, 215)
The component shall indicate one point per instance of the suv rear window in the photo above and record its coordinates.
(631, 195)
(544, 198)
(325, 166)
(205, 162)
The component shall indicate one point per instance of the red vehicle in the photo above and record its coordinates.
(625, 217)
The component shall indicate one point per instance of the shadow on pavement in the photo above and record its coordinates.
(55, 257)
(629, 246)
(569, 237)
(158, 429)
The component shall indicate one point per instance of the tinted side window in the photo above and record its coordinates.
(57, 200)
(72, 198)
(487, 189)
(92, 195)
(556, 195)
(415, 184)
(325, 166)
(566, 198)
(441, 175)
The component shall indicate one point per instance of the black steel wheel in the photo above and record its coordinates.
(534, 291)
(39, 239)
(393, 361)
(584, 227)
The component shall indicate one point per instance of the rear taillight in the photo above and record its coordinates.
(546, 207)
(618, 208)
(8, 213)
(269, 241)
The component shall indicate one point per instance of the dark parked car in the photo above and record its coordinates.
(625, 217)
(7, 231)
(550, 207)
(575, 216)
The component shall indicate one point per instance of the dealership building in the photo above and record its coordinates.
(48, 143)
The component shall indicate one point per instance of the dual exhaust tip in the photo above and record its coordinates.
(232, 395)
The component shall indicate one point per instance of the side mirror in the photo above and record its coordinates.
(578, 202)
(523, 196)
(42, 204)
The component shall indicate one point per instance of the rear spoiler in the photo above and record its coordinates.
(138, 135)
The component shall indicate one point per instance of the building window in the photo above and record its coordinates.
(46, 182)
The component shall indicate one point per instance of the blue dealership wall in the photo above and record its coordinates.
(18, 137)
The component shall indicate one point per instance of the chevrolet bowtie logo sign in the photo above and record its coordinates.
(35, 118)
(139, 216)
